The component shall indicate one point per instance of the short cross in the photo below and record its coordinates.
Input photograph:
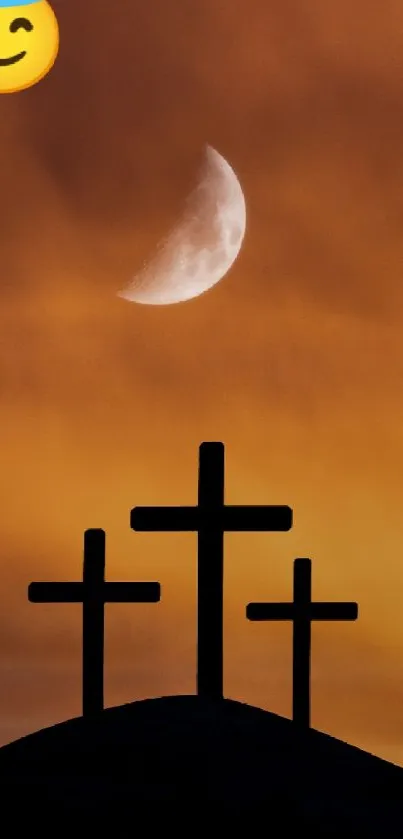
(93, 593)
(210, 519)
(302, 611)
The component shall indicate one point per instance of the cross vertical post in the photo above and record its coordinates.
(210, 574)
(301, 640)
(93, 622)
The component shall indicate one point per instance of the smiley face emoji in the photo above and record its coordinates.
(29, 43)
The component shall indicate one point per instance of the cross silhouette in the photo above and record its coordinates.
(210, 518)
(302, 612)
(93, 592)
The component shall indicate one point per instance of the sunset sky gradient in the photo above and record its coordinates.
(294, 361)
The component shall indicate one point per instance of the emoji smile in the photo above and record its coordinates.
(4, 62)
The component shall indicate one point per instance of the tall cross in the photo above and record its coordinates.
(210, 519)
(302, 612)
(93, 592)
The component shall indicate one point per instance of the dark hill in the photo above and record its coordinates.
(180, 761)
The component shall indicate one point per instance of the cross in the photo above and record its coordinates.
(210, 518)
(302, 611)
(93, 592)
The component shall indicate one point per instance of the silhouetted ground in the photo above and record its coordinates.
(194, 766)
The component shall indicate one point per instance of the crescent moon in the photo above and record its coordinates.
(202, 247)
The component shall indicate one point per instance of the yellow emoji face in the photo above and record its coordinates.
(29, 43)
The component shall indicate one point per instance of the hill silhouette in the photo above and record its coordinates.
(177, 761)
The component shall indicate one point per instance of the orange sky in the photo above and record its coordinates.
(294, 360)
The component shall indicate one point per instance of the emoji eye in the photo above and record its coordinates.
(21, 23)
